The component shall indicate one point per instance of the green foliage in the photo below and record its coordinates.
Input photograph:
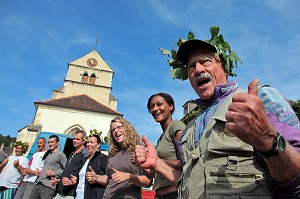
(7, 140)
(96, 132)
(296, 107)
(190, 116)
(106, 139)
(24, 145)
(179, 71)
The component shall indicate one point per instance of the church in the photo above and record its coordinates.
(83, 102)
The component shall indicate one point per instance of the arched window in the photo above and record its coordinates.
(85, 77)
(72, 129)
(92, 79)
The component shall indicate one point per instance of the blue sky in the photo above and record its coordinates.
(40, 37)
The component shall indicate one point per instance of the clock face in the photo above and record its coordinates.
(92, 62)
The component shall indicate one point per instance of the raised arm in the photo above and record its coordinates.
(146, 158)
(246, 118)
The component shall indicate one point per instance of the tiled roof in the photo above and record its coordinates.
(80, 102)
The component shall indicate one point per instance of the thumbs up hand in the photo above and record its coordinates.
(119, 176)
(246, 119)
(16, 163)
(145, 155)
(91, 175)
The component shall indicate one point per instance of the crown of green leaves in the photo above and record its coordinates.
(179, 71)
(96, 132)
(24, 145)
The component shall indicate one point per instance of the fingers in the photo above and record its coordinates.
(145, 140)
(231, 116)
(91, 169)
(115, 170)
(252, 88)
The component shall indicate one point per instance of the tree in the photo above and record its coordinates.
(7, 140)
(296, 107)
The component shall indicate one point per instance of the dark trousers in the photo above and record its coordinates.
(172, 195)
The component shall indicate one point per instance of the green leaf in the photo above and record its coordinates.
(179, 73)
(180, 41)
(171, 62)
(214, 31)
(190, 36)
(174, 54)
(234, 57)
(164, 51)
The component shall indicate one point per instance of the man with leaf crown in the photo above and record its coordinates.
(242, 143)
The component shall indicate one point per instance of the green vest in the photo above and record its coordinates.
(221, 166)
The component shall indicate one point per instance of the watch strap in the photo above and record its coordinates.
(276, 148)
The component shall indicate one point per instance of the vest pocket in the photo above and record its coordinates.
(242, 183)
(222, 142)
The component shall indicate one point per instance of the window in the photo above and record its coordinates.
(85, 77)
(92, 79)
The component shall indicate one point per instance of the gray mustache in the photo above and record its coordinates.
(202, 76)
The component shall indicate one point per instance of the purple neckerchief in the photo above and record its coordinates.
(221, 92)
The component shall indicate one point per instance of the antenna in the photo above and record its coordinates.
(97, 40)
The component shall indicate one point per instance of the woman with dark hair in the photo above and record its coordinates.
(162, 106)
(124, 179)
(95, 163)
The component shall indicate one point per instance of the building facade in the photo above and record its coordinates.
(83, 102)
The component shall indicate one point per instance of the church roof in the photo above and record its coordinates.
(80, 102)
(100, 63)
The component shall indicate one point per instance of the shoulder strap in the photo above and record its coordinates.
(46, 154)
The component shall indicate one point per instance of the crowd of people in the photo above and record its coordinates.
(242, 144)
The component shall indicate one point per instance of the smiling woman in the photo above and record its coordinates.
(124, 178)
(162, 106)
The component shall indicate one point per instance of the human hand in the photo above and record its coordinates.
(67, 181)
(91, 175)
(145, 156)
(49, 172)
(73, 179)
(16, 163)
(54, 181)
(247, 120)
(5, 161)
(38, 172)
(119, 176)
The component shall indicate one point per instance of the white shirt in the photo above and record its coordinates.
(10, 176)
(36, 163)
(81, 183)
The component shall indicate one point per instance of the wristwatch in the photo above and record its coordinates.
(278, 147)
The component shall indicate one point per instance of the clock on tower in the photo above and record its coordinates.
(92, 62)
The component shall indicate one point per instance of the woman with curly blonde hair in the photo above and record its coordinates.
(132, 137)
(124, 179)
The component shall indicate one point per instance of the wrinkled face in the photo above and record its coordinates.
(18, 150)
(160, 109)
(92, 145)
(205, 72)
(117, 131)
(78, 140)
(41, 144)
(53, 144)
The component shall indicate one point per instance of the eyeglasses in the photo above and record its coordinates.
(117, 128)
